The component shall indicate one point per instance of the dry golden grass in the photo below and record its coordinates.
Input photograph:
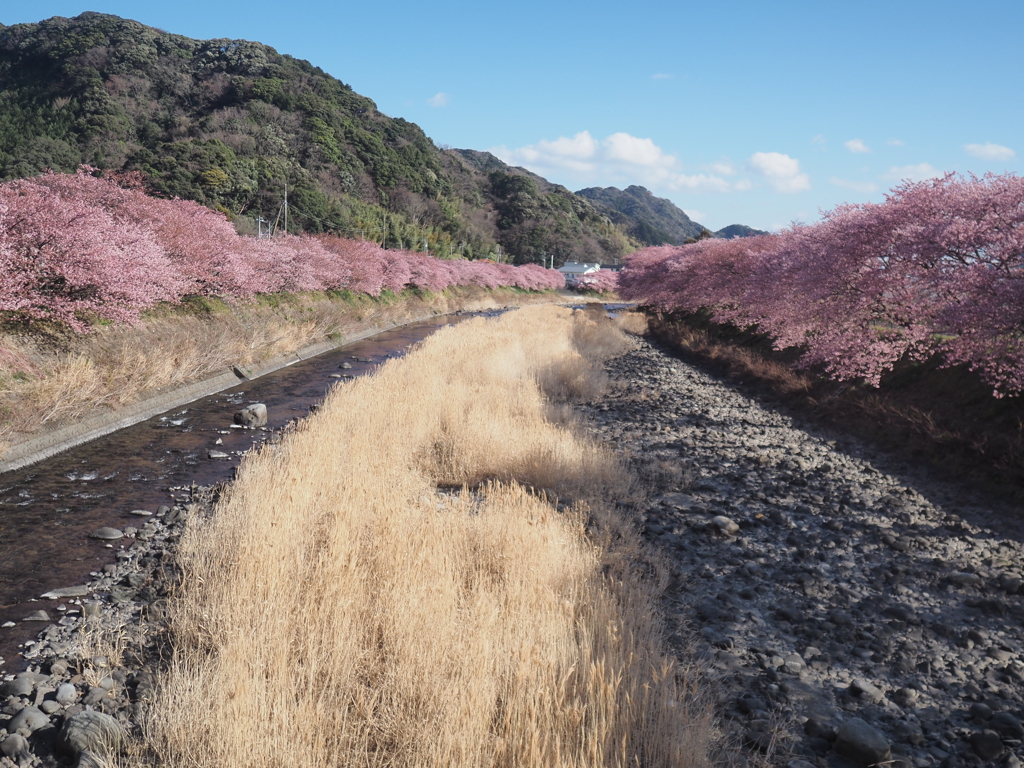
(632, 322)
(339, 608)
(738, 360)
(47, 382)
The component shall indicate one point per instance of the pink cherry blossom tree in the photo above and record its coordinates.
(935, 269)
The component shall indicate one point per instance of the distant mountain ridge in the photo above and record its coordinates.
(648, 219)
(654, 220)
(738, 230)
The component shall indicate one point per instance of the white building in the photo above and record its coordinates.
(574, 270)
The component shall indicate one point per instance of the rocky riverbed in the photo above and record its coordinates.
(850, 611)
(94, 665)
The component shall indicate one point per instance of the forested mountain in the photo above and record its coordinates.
(229, 123)
(648, 219)
(738, 230)
(654, 220)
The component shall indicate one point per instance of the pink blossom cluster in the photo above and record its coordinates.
(74, 247)
(936, 269)
(602, 281)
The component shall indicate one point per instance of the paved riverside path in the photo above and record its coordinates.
(838, 601)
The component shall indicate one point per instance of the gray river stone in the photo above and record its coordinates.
(63, 592)
(95, 696)
(252, 416)
(725, 525)
(18, 687)
(29, 719)
(987, 745)
(90, 731)
(862, 743)
(16, 748)
(67, 694)
(37, 616)
(981, 711)
(867, 690)
(106, 534)
(1006, 725)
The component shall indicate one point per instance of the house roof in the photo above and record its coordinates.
(578, 268)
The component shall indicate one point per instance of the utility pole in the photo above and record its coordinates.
(286, 207)
(384, 237)
(277, 220)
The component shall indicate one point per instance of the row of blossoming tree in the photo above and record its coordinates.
(936, 269)
(74, 247)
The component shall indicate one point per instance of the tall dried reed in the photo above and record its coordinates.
(341, 608)
(632, 322)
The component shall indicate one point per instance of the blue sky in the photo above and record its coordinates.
(753, 112)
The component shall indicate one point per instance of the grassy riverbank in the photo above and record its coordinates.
(51, 377)
(431, 571)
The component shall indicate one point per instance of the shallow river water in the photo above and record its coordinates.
(48, 510)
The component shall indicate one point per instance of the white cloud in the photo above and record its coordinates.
(743, 185)
(577, 153)
(781, 171)
(819, 142)
(630, 149)
(620, 158)
(990, 151)
(662, 76)
(895, 142)
(865, 187)
(723, 168)
(699, 181)
(694, 214)
(439, 100)
(918, 172)
(856, 146)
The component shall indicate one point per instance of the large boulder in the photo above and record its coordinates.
(252, 416)
(17, 687)
(28, 719)
(861, 743)
(90, 731)
(987, 745)
(16, 748)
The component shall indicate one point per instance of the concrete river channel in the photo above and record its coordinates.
(48, 509)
